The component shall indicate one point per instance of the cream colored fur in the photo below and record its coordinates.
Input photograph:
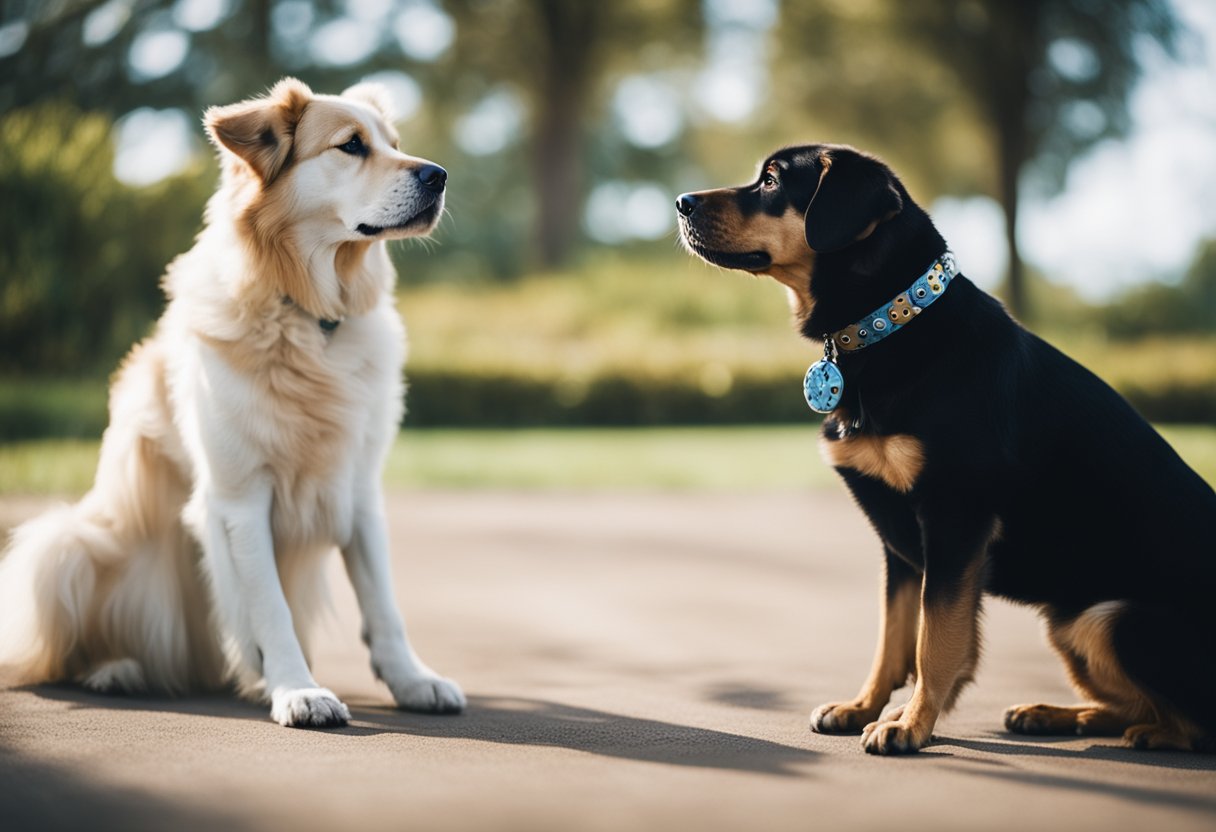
(245, 443)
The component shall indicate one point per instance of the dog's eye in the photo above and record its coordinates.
(768, 182)
(354, 147)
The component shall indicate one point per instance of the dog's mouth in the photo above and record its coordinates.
(420, 223)
(747, 261)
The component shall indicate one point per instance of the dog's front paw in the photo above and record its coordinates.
(307, 708)
(893, 737)
(841, 718)
(429, 694)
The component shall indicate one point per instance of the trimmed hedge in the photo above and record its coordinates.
(44, 409)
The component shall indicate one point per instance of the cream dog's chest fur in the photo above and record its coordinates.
(308, 412)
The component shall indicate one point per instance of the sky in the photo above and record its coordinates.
(1132, 210)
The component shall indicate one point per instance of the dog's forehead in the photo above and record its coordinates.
(805, 157)
(331, 119)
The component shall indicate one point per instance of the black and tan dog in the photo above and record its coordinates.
(986, 460)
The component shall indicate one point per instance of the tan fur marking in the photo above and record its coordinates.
(895, 657)
(947, 651)
(894, 662)
(782, 238)
(1085, 720)
(1084, 644)
(897, 459)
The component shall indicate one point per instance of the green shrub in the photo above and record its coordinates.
(81, 254)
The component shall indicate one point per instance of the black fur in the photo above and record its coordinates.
(1090, 502)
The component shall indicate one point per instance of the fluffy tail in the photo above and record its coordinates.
(92, 596)
(48, 586)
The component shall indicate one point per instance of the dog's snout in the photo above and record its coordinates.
(686, 204)
(433, 177)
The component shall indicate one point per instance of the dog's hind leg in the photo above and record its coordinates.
(1113, 705)
(1167, 654)
(116, 676)
(1139, 675)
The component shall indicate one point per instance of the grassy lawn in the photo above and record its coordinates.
(721, 459)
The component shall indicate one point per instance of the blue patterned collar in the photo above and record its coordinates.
(900, 311)
(823, 385)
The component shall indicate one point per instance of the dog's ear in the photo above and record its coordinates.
(855, 194)
(261, 130)
(377, 95)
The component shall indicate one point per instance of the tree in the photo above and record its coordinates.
(1043, 79)
(559, 53)
(1049, 77)
(67, 53)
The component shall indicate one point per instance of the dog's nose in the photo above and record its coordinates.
(433, 177)
(686, 204)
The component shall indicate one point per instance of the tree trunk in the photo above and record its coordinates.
(568, 31)
(1011, 41)
(557, 169)
(1011, 159)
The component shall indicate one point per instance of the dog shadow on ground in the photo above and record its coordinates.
(1104, 748)
(507, 720)
(995, 765)
(525, 721)
(219, 703)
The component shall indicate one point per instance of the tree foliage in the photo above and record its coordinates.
(1041, 81)
(75, 242)
(1189, 307)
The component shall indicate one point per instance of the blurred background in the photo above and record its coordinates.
(1066, 148)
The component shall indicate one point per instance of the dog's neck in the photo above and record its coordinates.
(900, 311)
(328, 280)
(847, 284)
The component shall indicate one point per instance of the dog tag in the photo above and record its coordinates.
(823, 386)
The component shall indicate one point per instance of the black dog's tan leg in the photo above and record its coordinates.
(1120, 705)
(1114, 705)
(947, 643)
(1085, 720)
(894, 659)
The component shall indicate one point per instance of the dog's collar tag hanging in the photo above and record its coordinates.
(824, 383)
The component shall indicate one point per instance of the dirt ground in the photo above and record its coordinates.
(633, 661)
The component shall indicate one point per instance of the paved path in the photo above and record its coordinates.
(633, 661)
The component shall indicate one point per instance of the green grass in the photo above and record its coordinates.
(712, 459)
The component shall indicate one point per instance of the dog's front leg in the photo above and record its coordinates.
(239, 549)
(415, 687)
(947, 642)
(894, 657)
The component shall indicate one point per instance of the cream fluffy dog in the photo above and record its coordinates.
(247, 434)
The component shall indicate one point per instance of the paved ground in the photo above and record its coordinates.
(633, 661)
